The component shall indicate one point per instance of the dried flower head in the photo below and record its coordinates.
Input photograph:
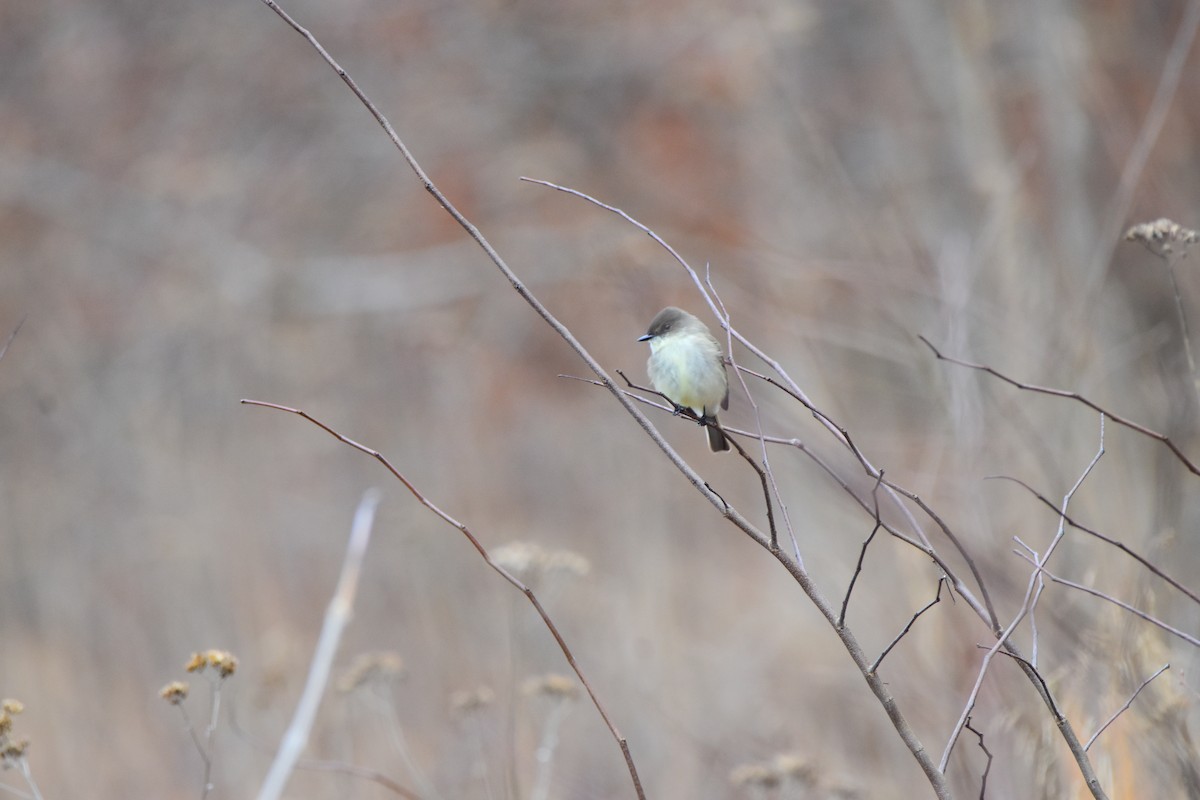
(369, 668)
(223, 661)
(12, 751)
(526, 560)
(519, 558)
(1161, 235)
(762, 775)
(466, 701)
(567, 561)
(795, 768)
(13, 707)
(174, 692)
(558, 687)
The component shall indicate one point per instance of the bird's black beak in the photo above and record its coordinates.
(645, 338)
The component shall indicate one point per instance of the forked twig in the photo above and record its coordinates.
(895, 489)
(690, 414)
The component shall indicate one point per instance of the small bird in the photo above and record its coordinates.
(686, 365)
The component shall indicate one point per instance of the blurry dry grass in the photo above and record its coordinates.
(194, 210)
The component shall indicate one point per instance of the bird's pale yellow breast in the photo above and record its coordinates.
(687, 368)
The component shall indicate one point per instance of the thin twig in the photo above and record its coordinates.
(366, 773)
(1025, 663)
(337, 615)
(986, 752)
(712, 422)
(766, 459)
(762, 477)
(1070, 395)
(862, 554)
(1125, 707)
(1187, 637)
(11, 336)
(1145, 562)
(320, 765)
(937, 599)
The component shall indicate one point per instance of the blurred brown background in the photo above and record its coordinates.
(194, 209)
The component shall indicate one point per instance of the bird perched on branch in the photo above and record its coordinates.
(686, 365)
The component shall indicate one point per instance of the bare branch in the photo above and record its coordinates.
(986, 752)
(762, 441)
(937, 599)
(762, 476)
(1076, 396)
(508, 576)
(1107, 540)
(893, 490)
(1125, 707)
(1187, 637)
(862, 554)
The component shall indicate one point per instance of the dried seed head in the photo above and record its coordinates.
(1160, 236)
(174, 692)
(558, 687)
(466, 701)
(12, 751)
(369, 668)
(796, 768)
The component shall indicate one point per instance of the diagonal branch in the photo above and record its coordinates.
(937, 599)
(1070, 395)
(1195, 598)
(11, 336)
(1125, 707)
(508, 576)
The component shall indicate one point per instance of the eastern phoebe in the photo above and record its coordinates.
(687, 366)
